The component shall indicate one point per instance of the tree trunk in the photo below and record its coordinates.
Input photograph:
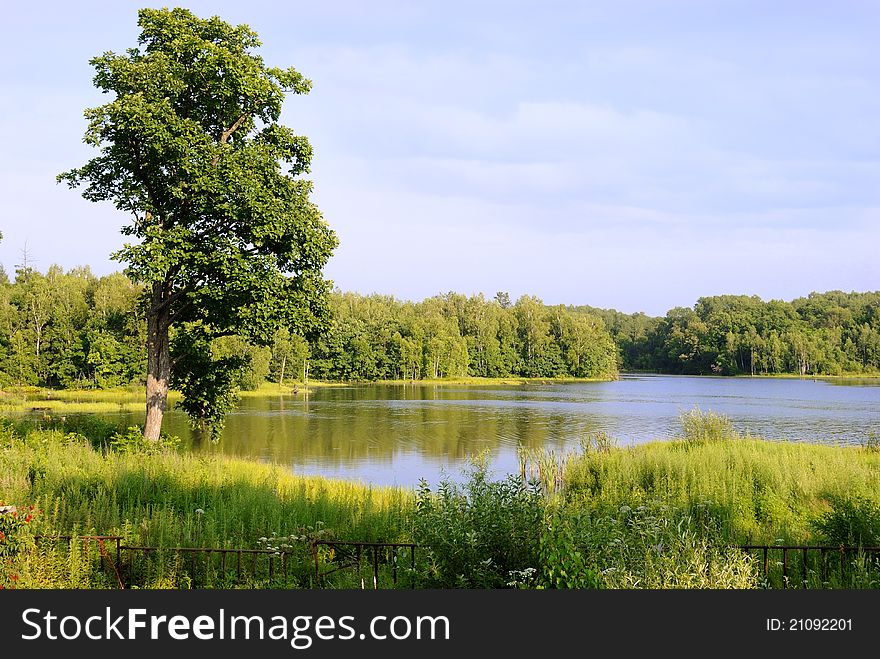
(158, 364)
(283, 363)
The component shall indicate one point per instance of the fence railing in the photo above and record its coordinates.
(349, 555)
(323, 563)
(360, 564)
(816, 566)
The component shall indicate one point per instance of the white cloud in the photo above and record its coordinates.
(635, 157)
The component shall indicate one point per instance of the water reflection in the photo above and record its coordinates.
(399, 434)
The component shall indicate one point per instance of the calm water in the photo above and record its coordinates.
(399, 434)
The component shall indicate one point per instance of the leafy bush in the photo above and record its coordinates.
(132, 441)
(477, 534)
(698, 426)
(853, 521)
(563, 563)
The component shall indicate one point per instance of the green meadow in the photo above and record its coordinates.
(658, 515)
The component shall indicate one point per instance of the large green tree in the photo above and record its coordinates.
(227, 240)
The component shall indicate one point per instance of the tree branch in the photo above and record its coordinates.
(224, 137)
(166, 301)
(174, 314)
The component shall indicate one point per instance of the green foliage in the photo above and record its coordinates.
(289, 356)
(825, 333)
(14, 525)
(253, 360)
(151, 497)
(478, 534)
(208, 384)
(698, 426)
(16, 538)
(132, 441)
(657, 545)
(61, 329)
(377, 337)
(59, 564)
(663, 515)
(852, 521)
(752, 491)
(563, 563)
(225, 235)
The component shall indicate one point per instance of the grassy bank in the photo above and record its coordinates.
(23, 400)
(62, 401)
(123, 399)
(164, 498)
(665, 514)
(151, 497)
(479, 381)
(753, 490)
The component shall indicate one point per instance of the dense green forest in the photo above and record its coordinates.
(74, 329)
(829, 333)
(452, 335)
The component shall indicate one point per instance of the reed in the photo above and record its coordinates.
(167, 498)
(755, 491)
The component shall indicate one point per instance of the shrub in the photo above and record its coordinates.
(853, 521)
(698, 426)
(15, 539)
(477, 534)
(132, 441)
(563, 563)
(658, 545)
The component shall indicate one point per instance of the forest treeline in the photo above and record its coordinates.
(74, 329)
(831, 333)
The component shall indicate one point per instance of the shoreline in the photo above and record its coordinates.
(130, 399)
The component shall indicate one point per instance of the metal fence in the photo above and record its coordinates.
(317, 563)
(354, 556)
(322, 563)
(817, 566)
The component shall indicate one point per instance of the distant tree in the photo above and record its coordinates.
(533, 329)
(290, 354)
(503, 299)
(227, 242)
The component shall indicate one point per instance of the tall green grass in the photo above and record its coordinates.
(665, 514)
(753, 491)
(169, 499)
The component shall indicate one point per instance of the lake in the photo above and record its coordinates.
(396, 435)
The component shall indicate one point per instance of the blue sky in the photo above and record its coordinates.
(635, 155)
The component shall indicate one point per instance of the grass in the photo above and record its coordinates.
(127, 399)
(664, 514)
(152, 499)
(753, 490)
(166, 498)
(71, 401)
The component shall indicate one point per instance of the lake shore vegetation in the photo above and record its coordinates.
(74, 330)
(668, 514)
